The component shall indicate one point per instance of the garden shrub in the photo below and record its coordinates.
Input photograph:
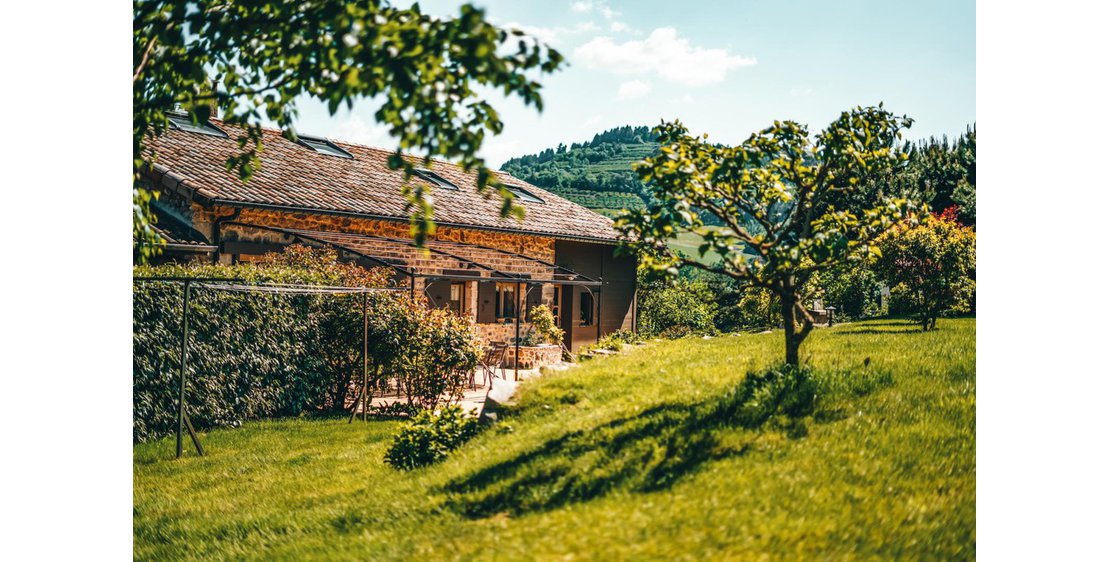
(614, 341)
(674, 309)
(853, 289)
(745, 309)
(395, 410)
(429, 436)
(430, 351)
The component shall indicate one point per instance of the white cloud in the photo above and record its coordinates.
(592, 122)
(587, 6)
(498, 150)
(355, 129)
(582, 7)
(553, 35)
(633, 89)
(618, 27)
(665, 54)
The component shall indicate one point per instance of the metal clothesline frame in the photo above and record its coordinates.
(238, 285)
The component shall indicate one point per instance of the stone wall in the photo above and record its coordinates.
(500, 332)
(535, 357)
(532, 246)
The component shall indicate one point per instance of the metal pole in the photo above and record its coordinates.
(181, 372)
(635, 310)
(412, 283)
(516, 358)
(365, 353)
(598, 318)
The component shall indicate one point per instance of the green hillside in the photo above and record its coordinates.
(596, 174)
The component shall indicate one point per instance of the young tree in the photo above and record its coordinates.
(795, 190)
(931, 264)
(254, 60)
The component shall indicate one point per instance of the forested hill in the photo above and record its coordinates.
(596, 174)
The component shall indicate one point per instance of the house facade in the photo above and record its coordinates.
(328, 193)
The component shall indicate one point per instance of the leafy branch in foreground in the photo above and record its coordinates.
(253, 61)
(784, 198)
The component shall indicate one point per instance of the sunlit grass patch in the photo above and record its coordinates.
(621, 455)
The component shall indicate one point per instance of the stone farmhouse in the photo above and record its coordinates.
(323, 192)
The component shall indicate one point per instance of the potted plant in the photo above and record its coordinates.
(542, 344)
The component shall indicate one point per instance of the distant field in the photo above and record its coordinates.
(632, 153)
(688, 243)
(599, 201)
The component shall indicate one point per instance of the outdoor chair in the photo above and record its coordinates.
(492, 359)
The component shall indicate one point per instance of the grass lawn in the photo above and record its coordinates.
(613, 457)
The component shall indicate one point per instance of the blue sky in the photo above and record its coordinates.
(723, 68)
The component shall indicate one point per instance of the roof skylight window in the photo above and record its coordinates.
(323, 146)
(185, 123)
(523, 194)
(434, 179)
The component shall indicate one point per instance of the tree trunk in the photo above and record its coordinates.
(788, 323)
(339, 396)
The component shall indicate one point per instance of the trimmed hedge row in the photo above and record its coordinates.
(255, 355)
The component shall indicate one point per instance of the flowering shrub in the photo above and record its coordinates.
(930, 267)
(430, 352)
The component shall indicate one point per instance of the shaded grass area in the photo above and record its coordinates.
(629, 455)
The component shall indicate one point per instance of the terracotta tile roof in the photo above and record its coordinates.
(293, 175)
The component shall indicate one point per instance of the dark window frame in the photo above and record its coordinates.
(308, 141)
(434, 179)
(499, 291)
(556, 303)
(585, 313)
(524, 194)
(182, 122)
(461, 308)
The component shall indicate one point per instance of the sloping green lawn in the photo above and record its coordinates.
(612, 459)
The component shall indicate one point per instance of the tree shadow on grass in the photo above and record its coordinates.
(891, 322)
(894, 329)
(642, 453)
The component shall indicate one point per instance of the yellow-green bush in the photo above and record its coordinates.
(930, 267)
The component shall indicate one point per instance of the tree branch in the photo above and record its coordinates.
(740, 232)
(251, 92)
(807, 321)
(145, 58)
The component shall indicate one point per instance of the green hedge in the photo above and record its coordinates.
(255, 355)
